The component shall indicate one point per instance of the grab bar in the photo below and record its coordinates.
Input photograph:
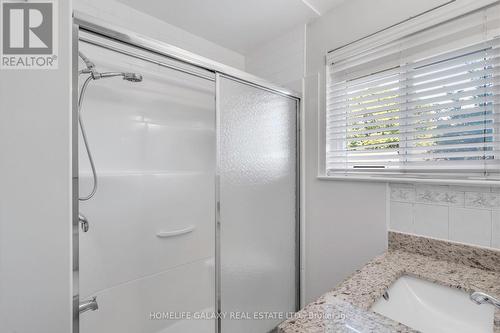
(166, 234)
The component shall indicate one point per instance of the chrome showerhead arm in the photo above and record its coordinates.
(89, 64)
(90, 69)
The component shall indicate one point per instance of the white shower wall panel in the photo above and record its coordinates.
(138, 306)
(165, 123)
(126, 215)
(154, 147)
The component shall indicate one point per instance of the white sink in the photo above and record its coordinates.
(432, 308)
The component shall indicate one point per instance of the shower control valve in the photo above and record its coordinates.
(84, 223)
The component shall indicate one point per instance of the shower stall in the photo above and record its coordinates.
(186, 198)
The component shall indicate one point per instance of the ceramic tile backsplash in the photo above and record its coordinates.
(431, 220)
(482, 200)
(402, 216)
(403, 194)
(464, 214)
(439, 195)
(470, 226)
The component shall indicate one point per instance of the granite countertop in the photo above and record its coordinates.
(347, 307)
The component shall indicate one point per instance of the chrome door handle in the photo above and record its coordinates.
(90, 304)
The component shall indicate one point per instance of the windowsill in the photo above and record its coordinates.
(413, 179)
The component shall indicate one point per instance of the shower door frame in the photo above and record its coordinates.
(89, 24)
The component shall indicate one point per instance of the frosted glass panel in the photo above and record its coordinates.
(154, 146)
(257, 195)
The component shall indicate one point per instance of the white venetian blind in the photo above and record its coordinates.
(423, 103)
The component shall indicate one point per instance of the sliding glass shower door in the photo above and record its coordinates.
(257, 217)
(195, 210)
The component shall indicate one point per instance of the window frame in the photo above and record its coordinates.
(415, 25)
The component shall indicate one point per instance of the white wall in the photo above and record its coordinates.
(345, 221)
(35, 194)
(280, 60)
(127, 17)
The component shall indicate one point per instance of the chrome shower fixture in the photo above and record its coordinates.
(89, 64)
(132, 77)
(90, 69)
(95, 75)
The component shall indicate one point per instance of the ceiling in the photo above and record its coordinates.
(239, 25)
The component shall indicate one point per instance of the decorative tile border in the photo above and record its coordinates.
(441, 195)
(402, 194)
(457, 196)
(482, 200)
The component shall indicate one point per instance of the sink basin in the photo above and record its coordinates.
(432, 308)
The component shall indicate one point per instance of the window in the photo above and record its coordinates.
(429, 102)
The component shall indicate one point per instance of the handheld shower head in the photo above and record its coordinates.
(131, 77)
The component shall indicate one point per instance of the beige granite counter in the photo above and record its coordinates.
(347, 307)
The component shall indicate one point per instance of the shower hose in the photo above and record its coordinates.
(85, 140)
